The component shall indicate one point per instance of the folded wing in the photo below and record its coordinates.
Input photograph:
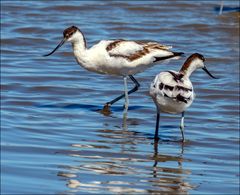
(133, 50)
(166, 84)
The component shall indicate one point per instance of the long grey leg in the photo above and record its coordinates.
(136, 87)
(182, 126)
(126, 95)
(157, 127)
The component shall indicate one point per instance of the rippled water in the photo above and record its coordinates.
(53, 139)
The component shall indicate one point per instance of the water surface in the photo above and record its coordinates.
(53, 139)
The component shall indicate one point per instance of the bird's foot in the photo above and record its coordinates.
(106, 109)
(107, 106)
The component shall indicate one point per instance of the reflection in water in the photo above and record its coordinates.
(106, 111)
(124, 121)
(104, 165)
(175, 184)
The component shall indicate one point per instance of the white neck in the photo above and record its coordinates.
(190, 70)
(80, 50)
(78, 42)
(196, 63)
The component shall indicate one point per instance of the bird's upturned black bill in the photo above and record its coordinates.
(59, 45)
(206, 70)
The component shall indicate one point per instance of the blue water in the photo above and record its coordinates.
(54, 140)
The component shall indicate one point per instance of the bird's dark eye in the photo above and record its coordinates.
(69, 34)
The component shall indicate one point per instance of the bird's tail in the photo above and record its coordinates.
(178, 53)
(175, 55)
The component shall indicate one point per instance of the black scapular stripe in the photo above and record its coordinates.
(168, 87)
(176, 77)
(161, 86)
(183, 88)
(182, 99)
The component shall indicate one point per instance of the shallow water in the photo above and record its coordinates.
(53, 139)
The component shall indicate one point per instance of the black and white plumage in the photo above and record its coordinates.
(172, 91)
(116, 57)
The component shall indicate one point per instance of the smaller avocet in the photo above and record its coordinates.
(173, 92)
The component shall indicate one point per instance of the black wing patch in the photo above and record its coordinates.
(183, 88)
(168, 87)
(178, 97)
(168, 57)
(182, 99)
(161, 86)
(176, 77)
(162, 58)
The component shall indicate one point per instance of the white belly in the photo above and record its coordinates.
(168, 105)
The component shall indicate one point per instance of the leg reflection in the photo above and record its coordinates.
(163, 158)
(124, 124)
(155, 157)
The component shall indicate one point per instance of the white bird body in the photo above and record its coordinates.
(119, 57)
(172, 91)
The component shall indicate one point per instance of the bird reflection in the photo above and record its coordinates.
(171, 178)
(155, 157)
(120, 161)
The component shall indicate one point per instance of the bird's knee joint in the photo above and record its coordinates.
(137, 86)
(107, 105)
